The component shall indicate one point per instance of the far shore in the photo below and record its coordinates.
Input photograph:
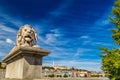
(91, 78)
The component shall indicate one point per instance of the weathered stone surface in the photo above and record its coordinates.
(21, 50)
(25, 59)
(25, 62)
(26, 36)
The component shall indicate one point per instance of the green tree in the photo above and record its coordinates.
(2, 66)
(111, 63)
(111, 58)
(47, 67)
(65, 75)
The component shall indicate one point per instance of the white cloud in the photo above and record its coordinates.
(107, 44)
(51, 38)
(9, 41)
(102, 22)
(60, 53)
(96, 43)
(106, 22)
(64, 5)
(101, 43)
(9, 18)
(81, 51)
(84, 37)
(8, 29)
(13, 20)
(56, 31)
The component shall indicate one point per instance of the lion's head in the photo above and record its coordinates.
(26, 36)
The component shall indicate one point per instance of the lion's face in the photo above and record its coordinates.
(26, 36)
(28, 33)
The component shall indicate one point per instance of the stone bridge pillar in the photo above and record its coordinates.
(25, 59)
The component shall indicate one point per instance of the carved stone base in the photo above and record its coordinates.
(25, 63)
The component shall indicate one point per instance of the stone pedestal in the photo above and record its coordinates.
(24, 63)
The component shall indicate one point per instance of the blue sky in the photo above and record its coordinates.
(71, 29)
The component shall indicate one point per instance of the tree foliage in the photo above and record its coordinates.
(48, 67)
(65, 75)
(115, 19)
(2, 66)
(111, 58)
(111, 62)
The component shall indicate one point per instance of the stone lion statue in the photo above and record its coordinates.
(26, 36)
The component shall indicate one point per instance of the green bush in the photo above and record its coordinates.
(59, 76)
(94, 75)
(65, 75)
(51, 75)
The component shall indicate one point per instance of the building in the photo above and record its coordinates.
(59, 67)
